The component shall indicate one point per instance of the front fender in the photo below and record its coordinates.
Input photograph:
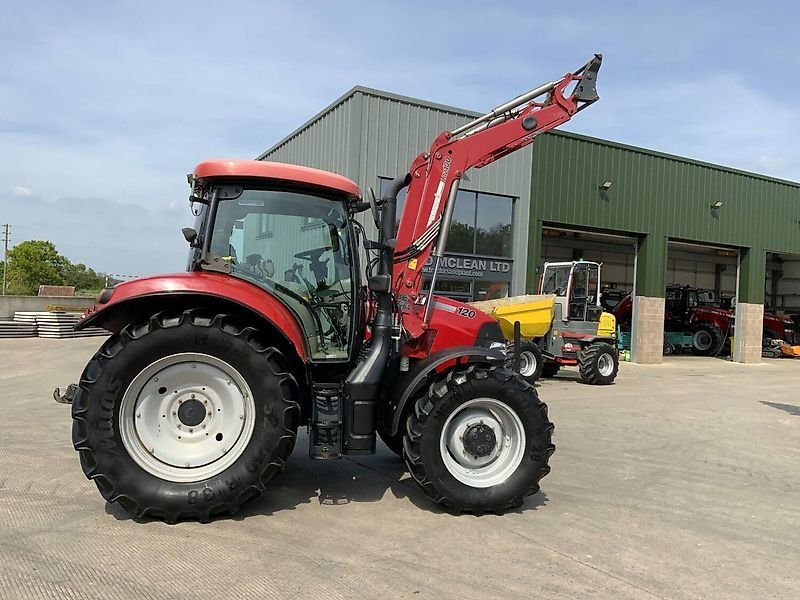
(438, 362)
(131, 300)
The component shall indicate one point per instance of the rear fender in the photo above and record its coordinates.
(423, 371)
(138, 299)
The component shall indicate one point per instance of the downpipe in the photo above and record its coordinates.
(363, 383)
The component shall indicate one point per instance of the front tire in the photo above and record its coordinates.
(479, 440)
(185, 416)
(598, 364)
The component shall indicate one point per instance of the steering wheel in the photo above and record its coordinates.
(312, 255)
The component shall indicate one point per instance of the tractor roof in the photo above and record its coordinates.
(272, 170)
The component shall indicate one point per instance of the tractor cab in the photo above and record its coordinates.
(294, 241)
(576, 286)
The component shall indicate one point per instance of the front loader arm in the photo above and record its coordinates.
(436, 174)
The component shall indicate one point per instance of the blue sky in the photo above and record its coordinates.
(105, 106)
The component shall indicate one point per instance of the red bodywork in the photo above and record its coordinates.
(452, 323)
(260, 169)
(200, 283)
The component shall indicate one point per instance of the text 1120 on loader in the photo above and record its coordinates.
(192, 406)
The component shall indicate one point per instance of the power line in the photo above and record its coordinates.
(6, 239)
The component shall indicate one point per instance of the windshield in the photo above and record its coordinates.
(296, 246)
(556, 279)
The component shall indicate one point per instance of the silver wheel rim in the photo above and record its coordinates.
(186, 417)
(504, 458)
(605, 364)
(527, 363)
(702, 340)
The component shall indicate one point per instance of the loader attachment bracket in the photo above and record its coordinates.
(586, 89)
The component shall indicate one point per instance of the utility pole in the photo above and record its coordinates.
(6, 237)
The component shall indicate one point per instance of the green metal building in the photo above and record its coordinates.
(651, 218)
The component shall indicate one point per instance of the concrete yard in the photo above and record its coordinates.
(680, 481)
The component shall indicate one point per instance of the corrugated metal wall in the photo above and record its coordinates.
(655, 193)
(664, 197)
(329, 141)
(368, 134)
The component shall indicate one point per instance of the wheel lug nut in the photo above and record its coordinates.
(194, 366)
(174, 414)
(209, 414)
(193, 396)
(191, 430)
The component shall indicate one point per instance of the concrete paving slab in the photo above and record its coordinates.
(679, 481)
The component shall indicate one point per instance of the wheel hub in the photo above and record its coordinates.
(187, 417)
(191, 413)
(482, 442)
(479, 440)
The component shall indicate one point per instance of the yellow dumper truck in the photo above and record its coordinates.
(563, 325)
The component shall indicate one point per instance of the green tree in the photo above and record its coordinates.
(34, 263)
(83, 278)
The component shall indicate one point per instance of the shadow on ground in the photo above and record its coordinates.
(334, 483)
(789, 408)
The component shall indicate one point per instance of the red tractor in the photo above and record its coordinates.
(710, 326)
(192, 406)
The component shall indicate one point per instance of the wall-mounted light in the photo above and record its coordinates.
(606, 185)
(717, 204)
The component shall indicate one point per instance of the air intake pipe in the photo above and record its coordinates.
(364, 381)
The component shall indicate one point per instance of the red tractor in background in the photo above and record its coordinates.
(686, 311)
(192, 406)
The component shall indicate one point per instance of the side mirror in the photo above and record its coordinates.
(190, 235)
(373, 206)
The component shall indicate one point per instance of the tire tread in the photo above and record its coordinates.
(135, 331)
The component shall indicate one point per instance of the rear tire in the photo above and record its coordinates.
(707, 340)
(531, 361)
(598, 364)
(139, 451)
(479, 440)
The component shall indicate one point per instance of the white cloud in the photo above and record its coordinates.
(21, 192)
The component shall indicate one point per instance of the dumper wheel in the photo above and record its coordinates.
(479, 440)
(550, 368)
(598, 364)
(531, 361)
(185, 416)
